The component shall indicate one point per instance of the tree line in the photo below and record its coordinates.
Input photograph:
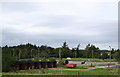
(11, 54)
(28, 51)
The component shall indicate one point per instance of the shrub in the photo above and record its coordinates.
(7, 62)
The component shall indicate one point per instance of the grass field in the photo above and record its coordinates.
(80, 59)
(78, 67)
(111, 71)
(98, 71)
(94, 59)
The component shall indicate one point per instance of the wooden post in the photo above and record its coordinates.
(77, 73)
(39, 66)
(61, 72)
(25, 66)
(33, 66)
(13, 52)
(46, 66)
(52, 65)
(60, 54)
(108, 65)
(19, 54)
(91, 64)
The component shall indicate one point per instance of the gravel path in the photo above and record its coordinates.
(97, 64)
(88, 63)
(91, 68)
(71, 69)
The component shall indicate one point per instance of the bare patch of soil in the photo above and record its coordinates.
(71, 69)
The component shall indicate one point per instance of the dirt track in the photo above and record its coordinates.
(88, 63)
(91, 68)
(71, 69)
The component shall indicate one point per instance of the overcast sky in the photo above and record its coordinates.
(51, 22)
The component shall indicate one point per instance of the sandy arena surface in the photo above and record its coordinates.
(71, 69)
(88, 63)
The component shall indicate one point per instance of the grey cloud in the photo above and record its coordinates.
(15, 38)
(19, 6)
(76, 29)
(56, 21)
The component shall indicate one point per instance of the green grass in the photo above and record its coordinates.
(99, 71)
(79, 59)
(94, 59)
(78, 67)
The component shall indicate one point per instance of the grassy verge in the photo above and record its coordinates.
(78, 67)
(79, 59)
(90, 59)
(99, 71)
